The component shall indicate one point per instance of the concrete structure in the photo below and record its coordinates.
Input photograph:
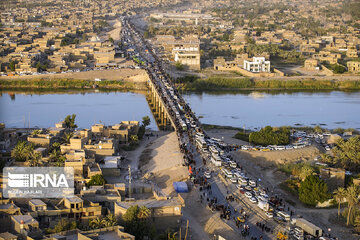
(259, 64)
(25, 225)
(187, 56)
(158, 108)
(353, 66)
(164, 213)
(311, 64)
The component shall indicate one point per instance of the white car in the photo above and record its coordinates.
(327, 148)
(252, 183)
(253, 200)
(269, 214)
(207, 174)
(233, 180)
(248, 195)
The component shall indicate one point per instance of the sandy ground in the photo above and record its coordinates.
(137, 75)
(166, 154)
(274, 158)
(226, 136)
(162, 160)
(115, 33)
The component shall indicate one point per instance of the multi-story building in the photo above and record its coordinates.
(259, 64)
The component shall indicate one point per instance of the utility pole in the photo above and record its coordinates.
(129, 181)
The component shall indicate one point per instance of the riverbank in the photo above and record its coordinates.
(193, 83)
(18, 84)
(117, 79)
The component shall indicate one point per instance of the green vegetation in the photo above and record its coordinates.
(135, 221)
(22, 151)
(66, 84)
(194, 83)
(96, 180)
(142, 128)
(12, 66)
(70, 121)
(269, 136)
(108, 221)
(179, 66)
(62, 225)
(313, 190)
(242, 136)
(346, 154)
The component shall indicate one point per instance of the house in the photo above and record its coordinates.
(353, 66)
(311, 64)
(25, 225)
(257, 65)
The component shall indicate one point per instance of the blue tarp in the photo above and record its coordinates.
(180, 187)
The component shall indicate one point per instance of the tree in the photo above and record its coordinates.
(111, 40)
(269, 136)
(144, 212)
(67, 137)
(347, 153)
(110, 220)
(63, 225)
(313, 190)
(97, 223)
(12, 66)
(352, 197)
(34, 159)
(146, 121)
(134, 140)
(146, 34)
(96, 180)
(339, 195)
(133, 224)
(179, 66)
(36, 132)
(306, 171)
(70, 121)
(318, 129)
(22, 151)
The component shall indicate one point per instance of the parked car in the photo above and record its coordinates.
(248, 195)
(207, 174)
(269, 214)
(253, 200)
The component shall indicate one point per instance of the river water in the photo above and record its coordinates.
(45, 109)
(253, 109)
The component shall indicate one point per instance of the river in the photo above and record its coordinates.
(253, 109)
(45, 109)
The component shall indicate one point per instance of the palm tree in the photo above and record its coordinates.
(22, 151)
(54, 154)
(110, 220)
(352, 196)
(144, 212)
(67, 137)
(34, 159)
(97, 223)
(36, 132)
(339, 195)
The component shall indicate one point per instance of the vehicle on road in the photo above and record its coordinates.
(269, 214)
(253, 200)
(207, 174)
(248, 195)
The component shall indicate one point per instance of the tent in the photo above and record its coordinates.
(180, 187)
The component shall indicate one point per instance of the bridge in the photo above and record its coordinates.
(158, 108)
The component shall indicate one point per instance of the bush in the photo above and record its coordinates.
(313, 190)
(267, 136)
(96, 180)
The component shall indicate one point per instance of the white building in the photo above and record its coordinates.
(257, 65)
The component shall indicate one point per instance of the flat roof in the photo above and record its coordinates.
(26, 218)
(37, 202)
